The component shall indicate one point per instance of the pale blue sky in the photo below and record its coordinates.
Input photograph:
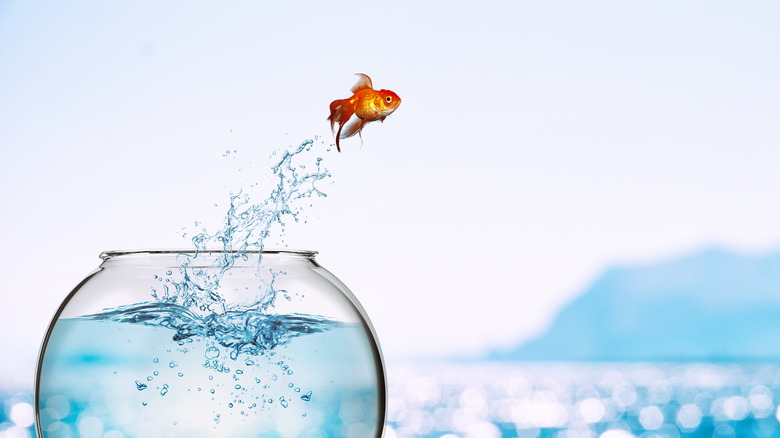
(537, 144)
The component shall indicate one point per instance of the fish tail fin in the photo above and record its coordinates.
(340, 112)
(338, 135)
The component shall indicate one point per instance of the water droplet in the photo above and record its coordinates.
(306, 397)
(290, 385)
(114, 372)
(212, 391)
(230, 405)
(172, 364)
(155, 360)
(143, 403)
(238, 386)
(282, 401)
(149, 378)
(140, 386)
(156, 373)
(164, 389)
(181, 374)
(239, 372)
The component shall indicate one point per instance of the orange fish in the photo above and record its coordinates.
(367, 104)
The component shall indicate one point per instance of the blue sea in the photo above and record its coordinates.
(582, 400)
(604, 400)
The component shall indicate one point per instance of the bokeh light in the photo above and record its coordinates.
(531, 400)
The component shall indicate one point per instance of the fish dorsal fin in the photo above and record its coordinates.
(363, 82)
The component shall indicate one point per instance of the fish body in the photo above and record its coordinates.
(366, 104)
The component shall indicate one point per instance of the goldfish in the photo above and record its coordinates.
(367, 104)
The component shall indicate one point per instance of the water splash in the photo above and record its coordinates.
(194, 305)
(249, 332)
(246, 227)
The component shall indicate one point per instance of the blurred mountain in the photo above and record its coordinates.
(711, 306)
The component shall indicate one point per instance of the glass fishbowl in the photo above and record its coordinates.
(210, 344)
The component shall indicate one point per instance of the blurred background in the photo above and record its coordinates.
(584, 184)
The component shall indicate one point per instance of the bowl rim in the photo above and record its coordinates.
(109, 254)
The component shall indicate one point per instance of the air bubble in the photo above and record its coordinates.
(212, 352)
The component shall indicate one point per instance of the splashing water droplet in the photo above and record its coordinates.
(140, 386)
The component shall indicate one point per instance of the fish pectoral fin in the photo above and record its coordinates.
(362, 83)
(353, 127)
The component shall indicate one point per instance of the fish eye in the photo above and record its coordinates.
(389, 99)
